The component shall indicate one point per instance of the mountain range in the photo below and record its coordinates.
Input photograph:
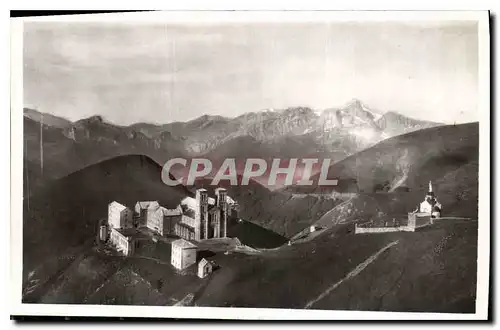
(55, 147)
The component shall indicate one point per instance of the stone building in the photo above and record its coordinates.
(103, 232)
(184, 229)
(142, 211)
(430, 205)
(205, 268)
(120, 221)
(123, 240)
(161, 220)
(119, 216)
(183, 254)
(426, 211)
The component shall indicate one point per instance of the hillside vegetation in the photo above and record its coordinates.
(431, 270)
(409, 160)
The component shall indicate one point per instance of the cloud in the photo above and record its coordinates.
(163, 73)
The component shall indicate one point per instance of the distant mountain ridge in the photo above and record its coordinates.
(409, 160)
(334, 133)
(46, 119)
(262, 125)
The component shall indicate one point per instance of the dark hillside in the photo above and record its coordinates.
(65, 214)
(278, 211)
(457, 191)
(432, 270)
(55, 145)
(409, 160)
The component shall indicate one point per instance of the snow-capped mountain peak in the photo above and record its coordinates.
(354, 114)
(358, 106)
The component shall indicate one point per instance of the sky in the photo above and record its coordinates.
(160, 73)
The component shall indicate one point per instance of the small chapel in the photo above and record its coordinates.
(430, 205)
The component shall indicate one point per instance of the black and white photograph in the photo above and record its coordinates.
(243, 165)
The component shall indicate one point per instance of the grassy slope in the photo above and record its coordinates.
(101, 278)
(282, 213)
(81, 279)
(286, 278)
(457, 191)
(428, 154)
(433, 270)
(446, 155)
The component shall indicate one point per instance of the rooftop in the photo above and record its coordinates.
(148, 204)
(130, 232)
(182, 243)
(204, 262)
(190, 202)
(118, 205)
(171, 212)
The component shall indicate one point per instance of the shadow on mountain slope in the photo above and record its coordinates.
(65, 214)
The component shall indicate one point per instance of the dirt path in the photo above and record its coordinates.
(302, 237)
(351, 274)
(186, 301)
(327, 214)
(190, 298)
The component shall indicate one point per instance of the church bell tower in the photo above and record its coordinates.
(201, 214)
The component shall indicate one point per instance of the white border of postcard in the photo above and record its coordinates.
(208, 17)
